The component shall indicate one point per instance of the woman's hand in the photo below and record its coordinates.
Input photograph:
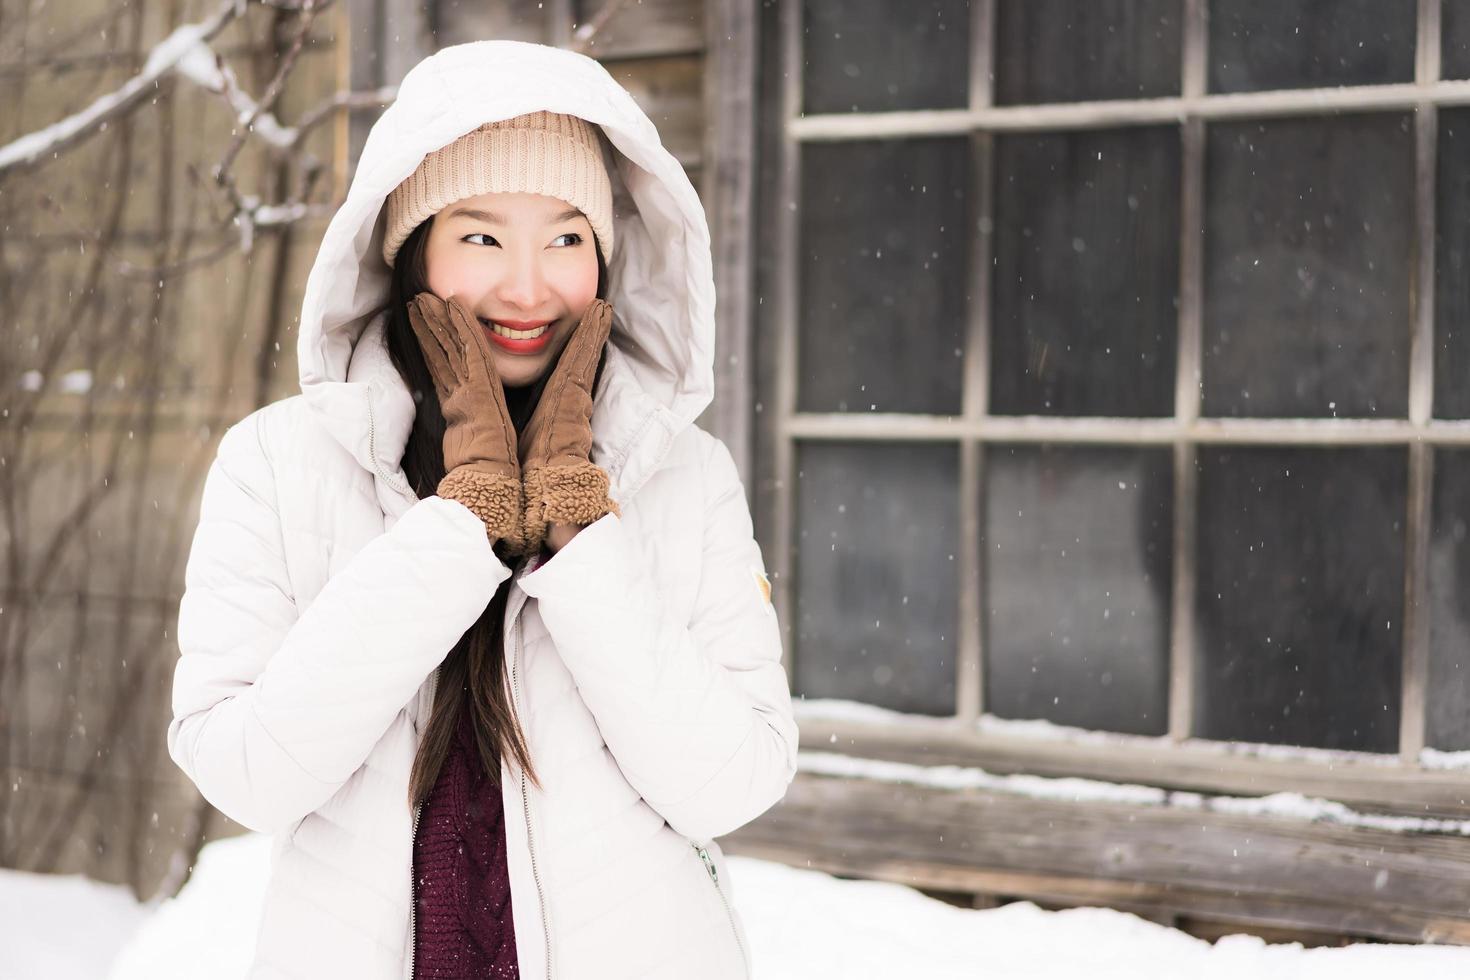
(562, 484)
(482, 468)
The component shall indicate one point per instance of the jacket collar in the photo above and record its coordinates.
(659, 373)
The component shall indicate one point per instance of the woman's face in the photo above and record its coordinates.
(521, 263)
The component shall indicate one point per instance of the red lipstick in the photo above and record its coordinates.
(512, 345)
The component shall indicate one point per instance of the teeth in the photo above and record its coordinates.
(520, 334)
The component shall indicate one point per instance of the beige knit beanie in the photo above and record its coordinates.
(537, 153)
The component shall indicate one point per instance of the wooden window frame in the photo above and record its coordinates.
(1385, 782)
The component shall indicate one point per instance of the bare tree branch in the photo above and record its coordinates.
(309, 12)
(370, 99)
(586, 34)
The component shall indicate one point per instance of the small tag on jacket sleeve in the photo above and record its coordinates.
(762, 584)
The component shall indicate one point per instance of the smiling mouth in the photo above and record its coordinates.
(510, 333)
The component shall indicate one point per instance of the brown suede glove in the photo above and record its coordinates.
(482, 469)
(562, 484)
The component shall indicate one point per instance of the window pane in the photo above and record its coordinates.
(1448, 710)
(1308, 263)
(1086, 273)
(1454, 29)
(1064, 51)
(884, 275)
(1077, 555)
(1257, 45)
(1452, 267)
(874, 55)
(876, 596)
(1300, 596)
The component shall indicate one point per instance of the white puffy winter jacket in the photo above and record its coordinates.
(644, 658)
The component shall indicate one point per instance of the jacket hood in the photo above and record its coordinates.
(659, 373)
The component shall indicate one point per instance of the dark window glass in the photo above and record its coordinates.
(1077, 557)
(1452, 267)
(1447, 722)
(1086, 273)
(1065, 51)
(875, 55)
(1454, 30)
(1308, 263)
(878, 538)
(884, 274)
(1299, 608)
(1258, 45)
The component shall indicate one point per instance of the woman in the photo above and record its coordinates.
(476, 625)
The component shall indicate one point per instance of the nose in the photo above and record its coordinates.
(522, 285)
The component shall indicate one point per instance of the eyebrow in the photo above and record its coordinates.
(490, 217)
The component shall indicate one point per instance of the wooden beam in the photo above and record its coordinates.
(729, 197)
(1124, 431)
(1414, 688)
(1135, 112)
(1252, 870)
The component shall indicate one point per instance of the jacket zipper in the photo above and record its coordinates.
(373, 450)
(413, 884)
(709, 865)
(515, 686)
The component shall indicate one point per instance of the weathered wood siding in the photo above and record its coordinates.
(119, 381)
(1160, 861)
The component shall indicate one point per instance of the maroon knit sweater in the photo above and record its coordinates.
(463, 927)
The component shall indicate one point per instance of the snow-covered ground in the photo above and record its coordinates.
(801, 924)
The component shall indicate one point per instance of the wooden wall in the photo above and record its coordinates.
(135, 329)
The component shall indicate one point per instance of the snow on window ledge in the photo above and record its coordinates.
(816, 710)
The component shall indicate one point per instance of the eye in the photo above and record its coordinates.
(576, 239)
(479, 234)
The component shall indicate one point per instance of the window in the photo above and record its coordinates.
(1111, 365)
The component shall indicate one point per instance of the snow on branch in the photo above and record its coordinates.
(187, 54)
(202, 66)
(184, 42)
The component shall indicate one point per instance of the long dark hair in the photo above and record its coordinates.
(474, 671)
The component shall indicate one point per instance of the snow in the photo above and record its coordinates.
(76, 382)
(1436, 759)
(836, 709)
(806, 924)
(42, 917)
(1294, 806)
(801, 924)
